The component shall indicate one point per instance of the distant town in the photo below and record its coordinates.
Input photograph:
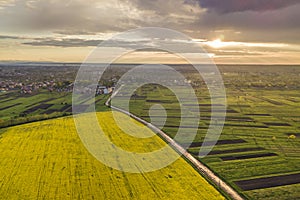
(50, 86)
(32, 79)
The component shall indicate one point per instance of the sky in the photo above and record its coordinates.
(231, 31)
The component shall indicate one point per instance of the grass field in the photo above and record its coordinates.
(16, 108)
(47, 160)
(260, 138)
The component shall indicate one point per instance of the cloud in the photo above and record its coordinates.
(10, 37)
(72, 15)
(91, 17)
(198, 18)
(63, 42)
(5, 3)
(167, 7)
(78, 42)
(75, 17)
(74, 32)
(281, 25)
(230, 6)
(144, 43)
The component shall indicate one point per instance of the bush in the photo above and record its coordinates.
(292, 137)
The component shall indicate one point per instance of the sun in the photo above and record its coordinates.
(216, 43)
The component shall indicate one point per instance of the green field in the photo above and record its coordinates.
(16, 108)
(264, 124)
(47, 160)
(260, 138)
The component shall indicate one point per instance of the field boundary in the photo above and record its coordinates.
(202, 169)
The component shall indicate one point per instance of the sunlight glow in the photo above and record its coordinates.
(217, 43)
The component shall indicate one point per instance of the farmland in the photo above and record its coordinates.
(17, 108)
(46, 160)
(257, 152)
(260, 139)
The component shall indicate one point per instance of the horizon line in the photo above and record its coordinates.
(80, 63)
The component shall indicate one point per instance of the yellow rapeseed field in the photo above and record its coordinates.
(47, 160)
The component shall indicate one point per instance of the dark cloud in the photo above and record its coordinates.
(9, 37)
(164, 7)
(279, 26)
(144, 45)
(229, 6)
(72, 42)
(74, 32)
(64, 42)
